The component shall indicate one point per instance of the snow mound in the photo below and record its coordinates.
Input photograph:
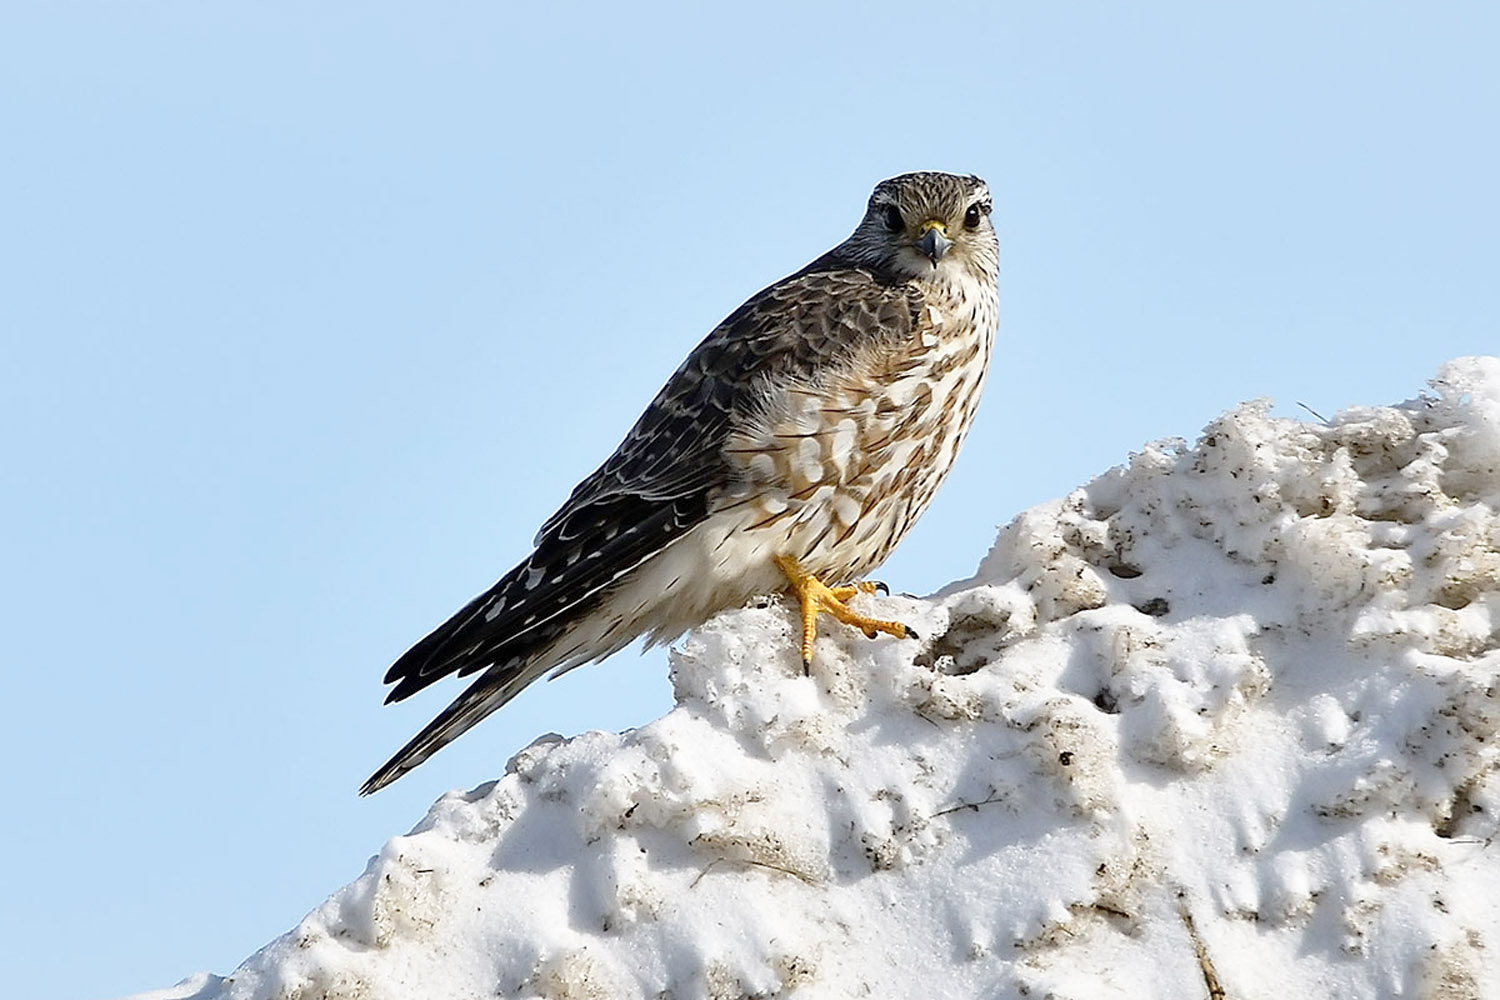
(1224, 719)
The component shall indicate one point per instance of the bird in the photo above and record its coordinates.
(790, 452)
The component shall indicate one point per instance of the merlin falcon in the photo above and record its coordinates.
(791, 451)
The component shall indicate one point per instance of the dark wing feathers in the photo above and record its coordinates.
(512, 619)
(659, 482)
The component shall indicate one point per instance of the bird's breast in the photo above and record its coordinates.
(835, 470)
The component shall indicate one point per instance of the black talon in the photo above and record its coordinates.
(807, 667)
(881, 588)
(911, 633)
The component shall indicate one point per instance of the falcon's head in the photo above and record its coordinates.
(923, 224)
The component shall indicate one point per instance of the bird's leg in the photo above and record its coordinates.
(816, 596)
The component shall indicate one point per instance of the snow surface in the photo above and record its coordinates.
(1220, 723)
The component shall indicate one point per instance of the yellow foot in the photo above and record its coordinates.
(815, 596)
(862, 587)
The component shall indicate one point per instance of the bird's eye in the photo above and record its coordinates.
(974, 215)
(893, 220)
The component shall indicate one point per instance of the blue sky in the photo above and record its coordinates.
(312, 313)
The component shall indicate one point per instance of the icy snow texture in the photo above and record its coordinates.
(1223, 718)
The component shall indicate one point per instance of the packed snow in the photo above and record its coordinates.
(1221, 723)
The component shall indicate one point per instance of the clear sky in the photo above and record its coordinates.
(311, 313)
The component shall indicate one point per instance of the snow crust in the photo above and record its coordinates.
(1223, 719)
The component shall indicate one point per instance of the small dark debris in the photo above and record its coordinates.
(1106, 702)
(967, 645)
(1156, 607)
(1268, 579)
(1065, 758)
(1124, 571)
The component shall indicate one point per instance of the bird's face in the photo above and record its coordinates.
(928, 224)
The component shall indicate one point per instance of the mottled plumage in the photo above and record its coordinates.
(801, 438)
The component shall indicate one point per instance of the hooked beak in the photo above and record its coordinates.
(934, 241)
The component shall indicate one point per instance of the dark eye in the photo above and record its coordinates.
(975, 214)
(893, 220)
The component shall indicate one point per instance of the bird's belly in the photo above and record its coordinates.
(840, 471)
